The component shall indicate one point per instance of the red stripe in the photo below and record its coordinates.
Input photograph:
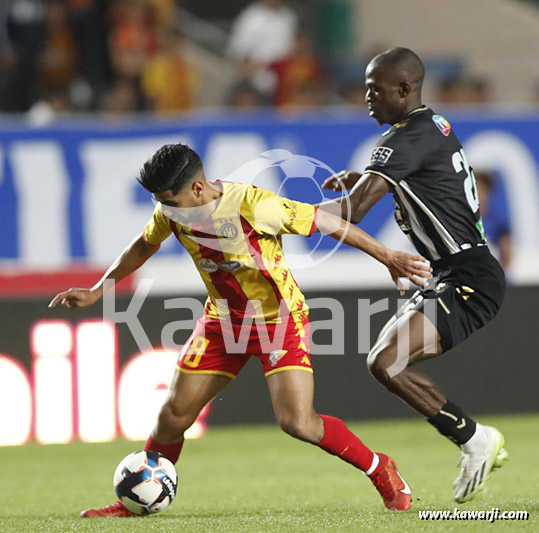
(225, 282)
(313, 227)
(174, 228)
(252, 235)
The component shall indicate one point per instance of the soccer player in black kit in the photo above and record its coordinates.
(421, 162)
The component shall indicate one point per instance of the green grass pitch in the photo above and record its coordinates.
(258, 479)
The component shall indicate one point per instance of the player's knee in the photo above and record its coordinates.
(297, 426)
(377, 365)
(382, 367)
(174, 421)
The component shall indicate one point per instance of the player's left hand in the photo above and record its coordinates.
(343, 180)
(414, 267)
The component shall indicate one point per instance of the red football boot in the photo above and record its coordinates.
(390, 484)
(116, 509)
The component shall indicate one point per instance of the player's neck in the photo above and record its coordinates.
(213, 191)
(211, 198)
(409, 110)
(413, 109)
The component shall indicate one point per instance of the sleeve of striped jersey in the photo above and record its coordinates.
(157, 229)
(273, 215)
(394, 157)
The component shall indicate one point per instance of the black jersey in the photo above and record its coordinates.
(434, 189)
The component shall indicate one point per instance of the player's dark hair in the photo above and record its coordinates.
(170, 168)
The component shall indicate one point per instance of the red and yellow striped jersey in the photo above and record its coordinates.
(238, 252)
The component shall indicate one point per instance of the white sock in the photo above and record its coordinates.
(374, 464)
(478, 442)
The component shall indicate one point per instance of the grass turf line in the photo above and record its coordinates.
(258, 479)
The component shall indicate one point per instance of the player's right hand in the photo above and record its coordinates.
(74, 298)
(345, 179)
(414, 267)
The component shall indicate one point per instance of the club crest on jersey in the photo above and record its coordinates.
(208, 265)
(380, 155)
(276, 356)
(229, 266)
(442, 124)
(229, 231)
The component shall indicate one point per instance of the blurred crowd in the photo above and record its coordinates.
(123, 56)
(84, 55)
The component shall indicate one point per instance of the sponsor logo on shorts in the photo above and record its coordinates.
(229, 266)
(442, 124)
(380, 155)
(208, 265)
(276, 356)
(229, 231)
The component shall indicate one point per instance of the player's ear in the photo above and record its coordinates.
(404, 89)
(197, 187)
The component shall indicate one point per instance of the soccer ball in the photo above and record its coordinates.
(145, 482)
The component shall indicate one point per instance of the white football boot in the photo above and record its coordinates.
(483, 453)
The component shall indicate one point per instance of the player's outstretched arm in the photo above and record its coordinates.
(400, 264)
(367, 189)
(133, 257)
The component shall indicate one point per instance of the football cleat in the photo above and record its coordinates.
(116, 509)
(391, 485)
(476, 467)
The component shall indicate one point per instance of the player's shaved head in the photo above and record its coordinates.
(402, 65)
(394, 80)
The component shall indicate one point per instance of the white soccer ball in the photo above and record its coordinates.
(145, 482)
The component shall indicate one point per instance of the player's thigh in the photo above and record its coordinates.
(425, 340)
(292, 393)
(406, 339)
(204, 368)
(387, 327)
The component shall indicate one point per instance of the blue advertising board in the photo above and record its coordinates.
(68, 191)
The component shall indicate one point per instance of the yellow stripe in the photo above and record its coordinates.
(383, 176)
(255, 284)
(467, 289)
(210, 372)
(283, 368)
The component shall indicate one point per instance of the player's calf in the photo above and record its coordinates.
(172, 423)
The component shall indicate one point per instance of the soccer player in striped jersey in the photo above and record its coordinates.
(233, 233)
(422, 163)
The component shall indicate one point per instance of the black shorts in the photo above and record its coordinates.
(468, 288)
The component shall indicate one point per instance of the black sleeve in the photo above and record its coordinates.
(394, 157)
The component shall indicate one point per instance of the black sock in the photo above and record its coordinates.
(453, 424)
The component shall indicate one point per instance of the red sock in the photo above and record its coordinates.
(171, 450)
(339, 440)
